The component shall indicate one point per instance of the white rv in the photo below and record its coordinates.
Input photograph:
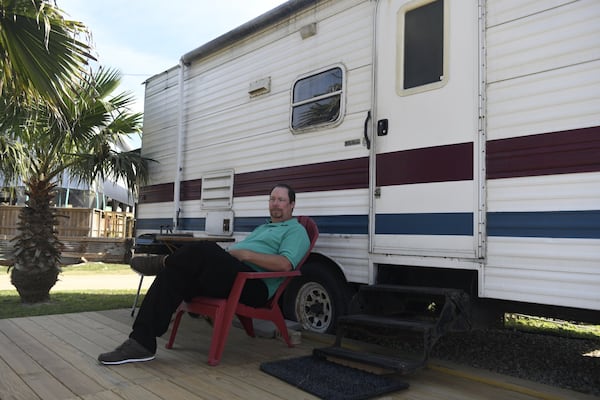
(445, 143)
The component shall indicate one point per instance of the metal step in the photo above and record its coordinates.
(397, 310)
(391, 363)
(367, 320)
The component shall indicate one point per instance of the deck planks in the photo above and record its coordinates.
(29, 359)
(54, 357)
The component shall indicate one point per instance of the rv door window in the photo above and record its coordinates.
(421, 34)
(317, 99)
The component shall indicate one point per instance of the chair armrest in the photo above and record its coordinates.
(242, 277)
(270, 274)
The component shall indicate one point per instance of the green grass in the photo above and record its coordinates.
(96, 268)
(62, 302)
(66, 302)
(90, 268)
(528, 323)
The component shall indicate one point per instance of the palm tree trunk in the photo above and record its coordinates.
(37, 249)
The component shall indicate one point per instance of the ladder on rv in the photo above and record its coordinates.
(394, 312)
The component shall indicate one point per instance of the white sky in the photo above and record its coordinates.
(142, 38)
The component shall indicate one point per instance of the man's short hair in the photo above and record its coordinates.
(290, 190)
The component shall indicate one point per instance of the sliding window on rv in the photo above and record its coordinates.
(316, 99)
(421, 63)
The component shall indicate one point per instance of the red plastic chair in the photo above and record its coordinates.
(221, 311)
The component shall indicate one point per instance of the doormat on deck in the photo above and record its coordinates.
(331, 381)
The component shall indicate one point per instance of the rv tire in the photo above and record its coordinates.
(315, 299)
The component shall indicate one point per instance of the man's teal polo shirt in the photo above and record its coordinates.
(287, 238)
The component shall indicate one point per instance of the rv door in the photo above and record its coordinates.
(426, 180)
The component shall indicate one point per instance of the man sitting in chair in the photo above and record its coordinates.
(206, 269)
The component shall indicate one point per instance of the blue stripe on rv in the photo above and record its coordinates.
(336, 224)
(152, 223)
(547, 224)
(424, 224)
(550, 224)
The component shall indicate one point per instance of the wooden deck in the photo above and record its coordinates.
(54, 357)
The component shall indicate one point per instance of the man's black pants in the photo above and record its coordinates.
(199, 269)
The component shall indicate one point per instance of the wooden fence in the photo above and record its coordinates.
(76, 222)
(87, 233)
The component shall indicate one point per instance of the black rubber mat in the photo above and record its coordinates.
(329, 380)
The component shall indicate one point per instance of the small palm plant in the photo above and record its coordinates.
(87, 148)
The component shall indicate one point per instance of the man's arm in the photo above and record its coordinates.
(270, 262)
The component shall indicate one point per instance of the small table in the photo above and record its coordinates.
(174, 241)
(167, 244)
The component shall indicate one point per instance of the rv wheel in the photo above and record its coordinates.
(315, 299)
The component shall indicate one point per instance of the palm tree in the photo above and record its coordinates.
(39, 54)
(54, 116)
(44, 147)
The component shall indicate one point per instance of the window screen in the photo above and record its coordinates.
(424, 45)
(317, 99)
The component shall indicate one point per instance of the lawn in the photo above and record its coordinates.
(528, 323)
(90, 268)
(71, 301)
(96, 268)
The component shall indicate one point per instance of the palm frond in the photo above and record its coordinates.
(40, 51)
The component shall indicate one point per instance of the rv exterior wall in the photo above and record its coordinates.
(513, 135)
(543, 80)
(228, 128)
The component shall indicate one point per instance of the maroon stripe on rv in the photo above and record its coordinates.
(563, 152)
(156, 193)
(544, 154)
(436, 164)
(191, 190)
(333, 175)
(433, 164)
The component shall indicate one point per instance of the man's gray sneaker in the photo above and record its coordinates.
(148, 265)
(129, 352)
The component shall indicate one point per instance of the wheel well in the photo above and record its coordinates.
(348, 289)
(318, 259)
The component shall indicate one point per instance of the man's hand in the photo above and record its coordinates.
(270, 262)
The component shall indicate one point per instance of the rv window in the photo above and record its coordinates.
(316, 99)
(422, 56)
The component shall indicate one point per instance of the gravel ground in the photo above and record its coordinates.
(567, 363)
